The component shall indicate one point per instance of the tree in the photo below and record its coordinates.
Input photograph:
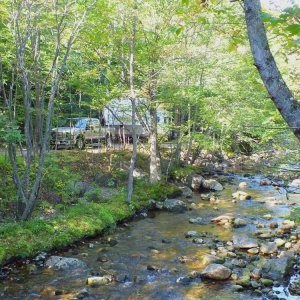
(39, 77)
(281, 95)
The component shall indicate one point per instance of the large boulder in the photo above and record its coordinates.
(244, 242)
(194, 181)
(278, 268)
(65, 263)
(174, 205)
(216, 272)
(212, 184)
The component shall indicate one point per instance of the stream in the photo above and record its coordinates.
(148, 255)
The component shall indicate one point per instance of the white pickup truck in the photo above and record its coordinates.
(80, 133)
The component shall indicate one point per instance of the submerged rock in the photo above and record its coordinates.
(174, 205)
(244, 242)
(65, 263)
(211, 259)
(198, 221)
(95, 281)
(216, 272)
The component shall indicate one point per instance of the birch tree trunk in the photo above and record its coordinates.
(133, 108)
(281, 95)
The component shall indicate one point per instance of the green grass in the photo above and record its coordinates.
(27, 239)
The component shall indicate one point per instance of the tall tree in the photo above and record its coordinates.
(281, 95)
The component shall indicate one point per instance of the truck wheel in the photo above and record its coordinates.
(80, 143)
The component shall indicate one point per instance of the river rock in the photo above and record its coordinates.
(278, 268)
(253, 251)
(191, 234)
(294, 287)
(194, 181)
(265, 181)
(295, 183)
(208, 259)
(244, 281)
(65, 263)
(267, 216)
(238, 222)
(198, 221)
(279, 242)
(174, 205)
(95, 281)
(266, 281)
(288, 225)
(268, 248)
(212, 184)
(223, 218)
(236, 288)
(216, 272)
(243, 185)
(187, 192)
(240, 195)
(273, 225)
(244, 242)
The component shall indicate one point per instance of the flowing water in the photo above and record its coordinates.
(158, 240)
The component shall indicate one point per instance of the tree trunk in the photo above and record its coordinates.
(133, 109)
(155, 170)
(279, 92)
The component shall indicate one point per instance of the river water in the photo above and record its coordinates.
(158, 241)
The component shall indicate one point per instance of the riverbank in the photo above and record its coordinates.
(74, 205)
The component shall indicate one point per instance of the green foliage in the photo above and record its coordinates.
(28, 238)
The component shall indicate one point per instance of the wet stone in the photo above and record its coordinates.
(216, 272)
(198, 221)
(152, 268)
(244, 242)
(191, 234)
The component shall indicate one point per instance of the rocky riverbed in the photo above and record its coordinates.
(236, 242)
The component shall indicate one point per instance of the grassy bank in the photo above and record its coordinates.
(64, 214)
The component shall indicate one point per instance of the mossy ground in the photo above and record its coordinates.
(63, 215)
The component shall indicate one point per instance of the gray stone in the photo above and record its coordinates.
(194, 181)
(186, 192)
(65, 263)
(198, 221)
(216, 272)
(174, 205)
(191, 234)
(268, 248)
(212, 184)
(278, 268)
(208, 259)
(244, 242)
(238, 222)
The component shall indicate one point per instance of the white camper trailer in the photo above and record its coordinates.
(117, 114)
